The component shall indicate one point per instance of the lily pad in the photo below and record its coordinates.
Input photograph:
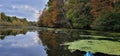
(103, 46)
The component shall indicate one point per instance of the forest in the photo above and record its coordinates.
(103, 15)
(14, 21)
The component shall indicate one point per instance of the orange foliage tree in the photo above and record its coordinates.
(52, 15)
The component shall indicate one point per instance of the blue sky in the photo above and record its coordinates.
(29, 9)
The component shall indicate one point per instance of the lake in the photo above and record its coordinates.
(57, 42)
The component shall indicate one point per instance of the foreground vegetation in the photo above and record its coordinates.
(103, 46)
(82, 14)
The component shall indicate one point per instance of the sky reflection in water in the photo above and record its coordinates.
(22, 45)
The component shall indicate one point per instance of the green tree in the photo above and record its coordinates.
(109, 20)
(78, 12)
(12, 21)
(3, 16)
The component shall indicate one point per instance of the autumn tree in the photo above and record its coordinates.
(109, 19)
(82, 14)
(52, 16)
(12, 21)
(100, 6)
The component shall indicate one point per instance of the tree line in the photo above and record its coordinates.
(82, 14)
(13, 21)
(6, 32)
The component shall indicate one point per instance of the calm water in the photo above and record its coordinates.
(23, 42)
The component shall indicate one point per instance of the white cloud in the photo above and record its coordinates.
(21, 7)
(35, 11)
(27, 8)
(30, 39)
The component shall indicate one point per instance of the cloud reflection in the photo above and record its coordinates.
(22, 45)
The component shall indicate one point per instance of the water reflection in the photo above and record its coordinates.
(27, 44)
(55, 41)
(14, 32)
(24, 42)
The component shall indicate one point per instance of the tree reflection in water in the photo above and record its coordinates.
(4, 33)
(51, 41)
(54, 41)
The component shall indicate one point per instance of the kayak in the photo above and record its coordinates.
(89, 54)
